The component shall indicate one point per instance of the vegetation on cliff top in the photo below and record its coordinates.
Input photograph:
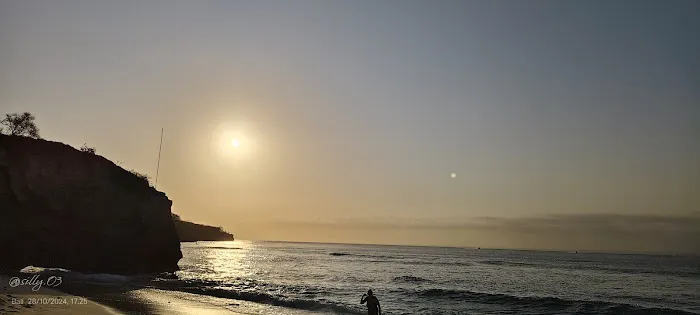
(17, 124)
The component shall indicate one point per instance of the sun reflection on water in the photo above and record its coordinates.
(217, 261)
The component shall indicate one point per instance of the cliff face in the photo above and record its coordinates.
(60, 207)
(192, 232)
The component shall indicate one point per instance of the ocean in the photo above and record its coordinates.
(309, 278)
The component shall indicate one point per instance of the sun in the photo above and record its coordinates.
(234, 144)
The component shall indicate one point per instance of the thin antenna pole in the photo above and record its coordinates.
(159, 149)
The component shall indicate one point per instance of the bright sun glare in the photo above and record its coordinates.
(234, 143)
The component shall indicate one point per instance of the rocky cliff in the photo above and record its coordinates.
(60, 207)
(192, 232)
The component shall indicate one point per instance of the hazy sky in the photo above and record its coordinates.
(351, 115)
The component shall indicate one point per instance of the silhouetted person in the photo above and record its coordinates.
(373, 307)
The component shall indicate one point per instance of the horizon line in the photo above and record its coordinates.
(569, 251)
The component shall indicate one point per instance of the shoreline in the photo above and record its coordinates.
(23, 300)
(98, 299)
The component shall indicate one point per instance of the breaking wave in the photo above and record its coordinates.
(410, 279)
(545, 304)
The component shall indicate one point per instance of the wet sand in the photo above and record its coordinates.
(101, 300)
(23, 300)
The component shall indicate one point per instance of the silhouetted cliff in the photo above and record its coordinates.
(192, 232)
(60, 207)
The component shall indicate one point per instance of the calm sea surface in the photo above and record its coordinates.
(302, 278)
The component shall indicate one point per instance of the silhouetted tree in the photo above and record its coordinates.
(87, 149)
(16, 124)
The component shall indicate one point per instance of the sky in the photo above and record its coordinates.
(568, 124)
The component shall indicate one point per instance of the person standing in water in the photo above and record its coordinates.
(373, 307)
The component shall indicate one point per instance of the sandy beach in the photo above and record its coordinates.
(23, 299)
(99, 300)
